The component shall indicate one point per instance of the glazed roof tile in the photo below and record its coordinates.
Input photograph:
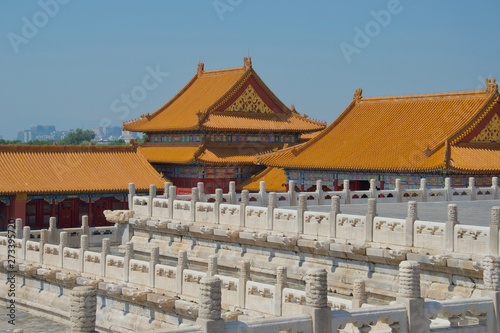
(74, 169)
(181, 154)
(475, 159)
(275, 179)
(206, 153)
(226, 155)
(398, 133)
(274, 123)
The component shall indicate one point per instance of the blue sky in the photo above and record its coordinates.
(73, 69)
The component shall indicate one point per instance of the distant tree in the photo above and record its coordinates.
(120, 142)
(78, 137)
(10, 142)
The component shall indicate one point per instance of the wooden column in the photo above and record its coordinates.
(90, 213)
(54, 207)
(125, 203)
(20, 200)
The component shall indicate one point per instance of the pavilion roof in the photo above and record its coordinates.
(74, 169)
(205, 153)
(457, 131)
(228, 100)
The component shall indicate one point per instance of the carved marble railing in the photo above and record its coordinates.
(140, 205)
(462, 315)
(95, 234)
(290, 226)
(319, 197)
(133, 280)
(119, 271)
(371, 319)
(297, 324)
(350, 226)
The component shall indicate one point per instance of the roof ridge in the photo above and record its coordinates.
(478, 93)
(327, 129)
(306, 117)
(215, 71)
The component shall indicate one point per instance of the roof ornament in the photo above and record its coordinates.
(201, 68)
(247, 63)
(357, 94)
(491, 85)
(202, 116)
(427, 151)
(292, 108)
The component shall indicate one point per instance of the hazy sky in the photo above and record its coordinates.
(75, 63)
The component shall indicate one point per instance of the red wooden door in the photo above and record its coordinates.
(38, 214)
(71, 212)
(3, 216)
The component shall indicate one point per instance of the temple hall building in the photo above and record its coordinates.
(214, 128)
(38, 182)
(455, 135)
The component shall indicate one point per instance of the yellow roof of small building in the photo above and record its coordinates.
(177, 154)
(455, 131)
(228, 99)
(74, 169)
(275, 179)
(221, 154)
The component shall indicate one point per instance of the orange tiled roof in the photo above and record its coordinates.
(275, 179)
(73, 169)
(229, 91)
(475, 159)
(181, 154)
(228, 155)
(308, 136)
(261, 122)
(210, 154)
(401, 133)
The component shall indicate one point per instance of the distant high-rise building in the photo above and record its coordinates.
(24, 135)
(43, 132)
(107, 133)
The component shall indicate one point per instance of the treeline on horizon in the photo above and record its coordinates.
(78, 137)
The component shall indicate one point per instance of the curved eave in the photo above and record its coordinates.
(159, 184)
(166, 161)
(432, 168)
(261, 130)
(227, 163)
(473, 171)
